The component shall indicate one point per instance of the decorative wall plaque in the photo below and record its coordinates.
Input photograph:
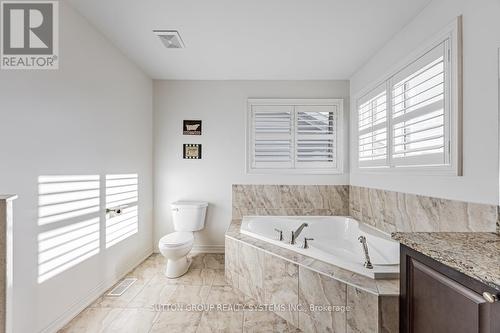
(192, 151)
(191, 127)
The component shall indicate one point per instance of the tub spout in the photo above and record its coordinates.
(296, 233)
(368, 264)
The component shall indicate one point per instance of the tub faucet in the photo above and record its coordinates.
(280, 234)
(296, 233)
(305, 245)
(367, 264)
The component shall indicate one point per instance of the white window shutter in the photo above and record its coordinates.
(316, 136)
(420, 112)
(372, 128)
(294, 136)
(272, 136)
(413, 121)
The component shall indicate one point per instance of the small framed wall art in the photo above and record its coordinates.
(191, 127)
(192, 151)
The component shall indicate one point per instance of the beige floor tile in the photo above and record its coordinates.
(220, 278)
(204, 283)
(146, 270)
(157, 258)
(208, 260)
(221, 322)
(151, 294)
(133, 321)
(194, 277)
(225, 295)
(197, 260)
(186, 294)
(177, 322)
(92, 320)
(266, 322)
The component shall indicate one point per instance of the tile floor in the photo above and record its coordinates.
(203, 284)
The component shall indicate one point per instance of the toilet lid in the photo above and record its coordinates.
(177, 238)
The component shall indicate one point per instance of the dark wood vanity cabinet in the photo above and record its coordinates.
(438, 299)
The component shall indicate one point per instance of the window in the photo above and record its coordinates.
(294, 136)
(419, 129)
(411, 120)
(372, 130)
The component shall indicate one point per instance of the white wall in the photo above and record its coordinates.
(92, 116)
(480, 130)
(222, 106)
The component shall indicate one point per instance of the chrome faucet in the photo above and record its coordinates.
(367, 264)
(296, 233)
(305, 245)
(280, 234)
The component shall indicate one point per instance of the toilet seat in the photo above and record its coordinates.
(176, 240)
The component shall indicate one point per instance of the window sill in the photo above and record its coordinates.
(294, 172)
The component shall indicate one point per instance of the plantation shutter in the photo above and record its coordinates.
(372, 128)
(316, 136)
(420, 130)
(272, 136)
(300, 137)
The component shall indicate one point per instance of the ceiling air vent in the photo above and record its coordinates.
(170, 38)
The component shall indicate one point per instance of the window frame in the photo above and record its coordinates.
(249, 137)
(452, 34)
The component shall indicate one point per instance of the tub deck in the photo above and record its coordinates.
(335, 241)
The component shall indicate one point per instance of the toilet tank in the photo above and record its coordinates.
(189, 215)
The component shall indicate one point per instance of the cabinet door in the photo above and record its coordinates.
(438, 304)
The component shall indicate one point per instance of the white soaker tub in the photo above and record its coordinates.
(335, 241)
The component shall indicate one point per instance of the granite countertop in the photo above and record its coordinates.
(475, 254)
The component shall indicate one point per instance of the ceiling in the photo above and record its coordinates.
(251, 39)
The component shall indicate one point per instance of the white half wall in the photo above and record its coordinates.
(480, 118)
(222, 106)
(93, 116)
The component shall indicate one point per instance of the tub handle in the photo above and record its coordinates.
(305, 245)
(280, 234)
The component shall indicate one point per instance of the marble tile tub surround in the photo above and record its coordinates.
(290, 200)
(386, 210)
(475, 254)
(287, 278)
(403, 212)
(233, 265)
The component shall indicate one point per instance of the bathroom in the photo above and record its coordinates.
(155, 168)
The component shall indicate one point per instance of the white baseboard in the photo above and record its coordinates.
(91, 296)
(208, 249)
(204, 249)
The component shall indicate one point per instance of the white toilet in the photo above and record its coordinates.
(188, 216)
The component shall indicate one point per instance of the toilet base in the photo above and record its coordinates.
(177, 268)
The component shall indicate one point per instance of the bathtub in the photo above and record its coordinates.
(335, 241)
